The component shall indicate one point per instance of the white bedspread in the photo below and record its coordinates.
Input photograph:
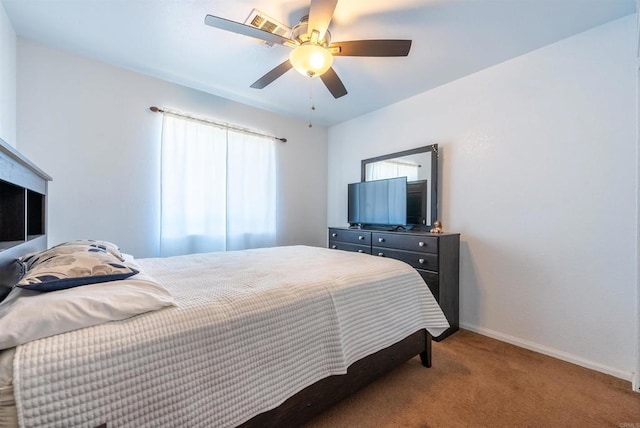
(251, 328)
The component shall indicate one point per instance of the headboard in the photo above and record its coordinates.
(23, 212)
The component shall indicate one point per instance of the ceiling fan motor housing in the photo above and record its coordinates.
(300, 33)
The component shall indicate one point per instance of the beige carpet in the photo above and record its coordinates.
(476, 381)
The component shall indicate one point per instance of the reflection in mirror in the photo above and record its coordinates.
(414, 167)
(420, 166)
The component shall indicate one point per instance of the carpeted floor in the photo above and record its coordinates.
(477, 381)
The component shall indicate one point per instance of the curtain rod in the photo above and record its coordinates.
(219, 124)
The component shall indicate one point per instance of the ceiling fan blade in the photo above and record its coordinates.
(371, 48)
(246, 30)
(320, 15)
(333, 83)
(272, 75)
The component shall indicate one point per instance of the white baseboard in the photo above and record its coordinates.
(628, 376)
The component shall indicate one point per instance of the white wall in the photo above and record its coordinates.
(636, 378)
(88, 125)
(538, 167)
(7, 79)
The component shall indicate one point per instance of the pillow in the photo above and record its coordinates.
(71, 266)
(95, 245)
(27, 315)
(87, 245)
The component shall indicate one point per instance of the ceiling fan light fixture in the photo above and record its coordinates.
(311, 60)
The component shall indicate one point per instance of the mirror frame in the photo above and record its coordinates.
(433, 148)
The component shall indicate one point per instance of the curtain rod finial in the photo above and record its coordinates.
(154, 109)
(284, 140)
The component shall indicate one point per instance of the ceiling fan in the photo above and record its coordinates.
(313, 52)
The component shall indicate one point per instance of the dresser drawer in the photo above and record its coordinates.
(402, 241)
(417, 260)
(359, 237)
(337, 245)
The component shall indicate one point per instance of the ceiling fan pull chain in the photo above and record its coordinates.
(313, 107)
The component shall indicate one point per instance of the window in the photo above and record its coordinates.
(218, 188)
(392, 169)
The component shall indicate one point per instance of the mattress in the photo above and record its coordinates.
(8, 414)
(251, 329)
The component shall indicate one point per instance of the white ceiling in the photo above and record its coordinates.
(168, 39)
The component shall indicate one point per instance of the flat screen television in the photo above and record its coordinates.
(378, 202)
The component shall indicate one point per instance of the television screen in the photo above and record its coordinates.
(378, 202)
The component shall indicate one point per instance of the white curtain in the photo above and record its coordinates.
(392, 169)
(218, 189)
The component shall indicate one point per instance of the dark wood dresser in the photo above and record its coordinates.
(436, 257)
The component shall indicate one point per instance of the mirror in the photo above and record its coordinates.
(420, 166)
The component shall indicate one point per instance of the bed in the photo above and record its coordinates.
(263, 337)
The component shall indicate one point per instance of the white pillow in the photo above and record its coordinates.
(27, 315)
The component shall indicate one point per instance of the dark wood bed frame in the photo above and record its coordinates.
(323, 394)
(23, 190)
(17, 172)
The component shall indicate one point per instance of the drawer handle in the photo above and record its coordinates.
(380, 239)
(422, 244)
(381, 254)
(361, 238)
(421, 261)
(334, 234)
(334, 247)
(361, 251)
